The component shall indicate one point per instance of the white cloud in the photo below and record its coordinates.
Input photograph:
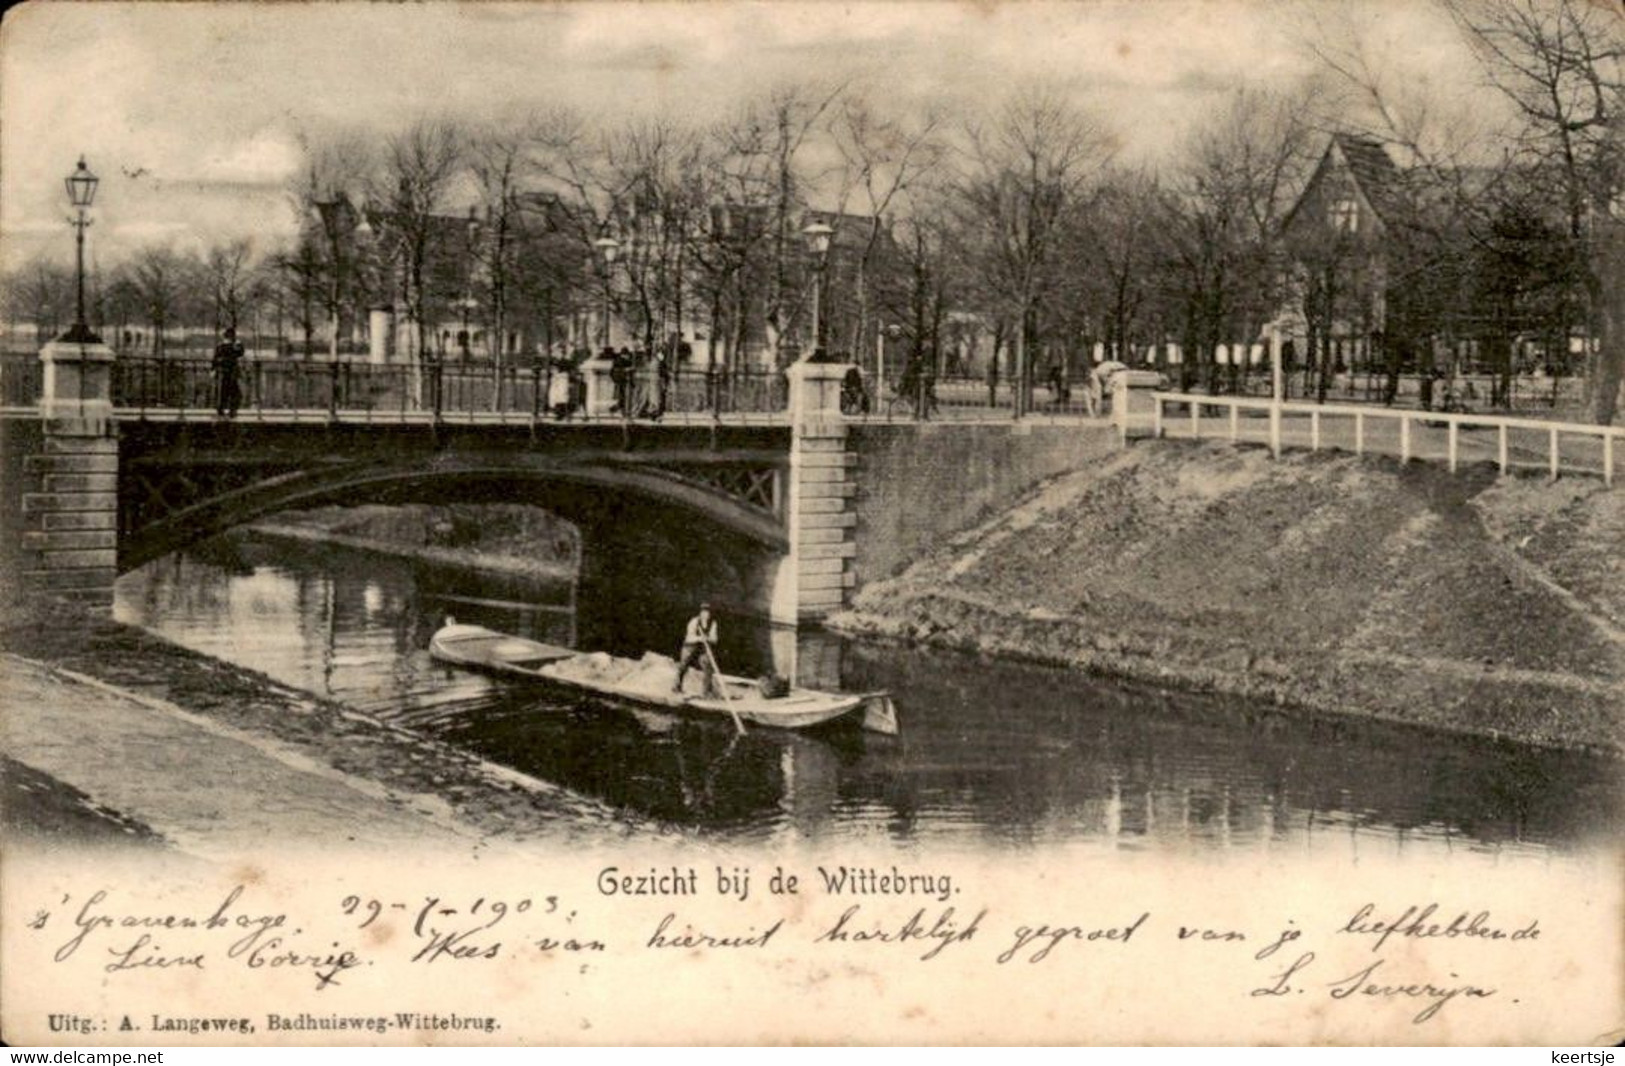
(269, 157)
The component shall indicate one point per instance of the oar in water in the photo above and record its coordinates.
(716, 671)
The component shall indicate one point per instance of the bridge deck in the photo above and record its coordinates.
(322, 416)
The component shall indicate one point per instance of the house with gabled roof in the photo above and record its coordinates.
(1355, 190)
(1395, 270)
(1338, 235)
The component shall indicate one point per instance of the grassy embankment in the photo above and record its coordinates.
(1317, 583)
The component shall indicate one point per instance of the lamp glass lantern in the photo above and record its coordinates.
(818, 235)
(81, 185)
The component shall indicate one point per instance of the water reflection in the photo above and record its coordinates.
(991, 752)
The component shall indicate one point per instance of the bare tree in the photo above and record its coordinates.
(657, 208)
(572, 161)
(1025, 172)
(717, 247)
(121, 303)
(42, 292)
(160, 278)
(1234, 188)
(884, 158)
(230, 269)
(1112, 256)
(649, 185)
(336, 167)
(498, 156)
(548, 268)
(731, 245)
(917, 292)
(302, 283)
(419, 165)
(1561, 63)
(763, 152)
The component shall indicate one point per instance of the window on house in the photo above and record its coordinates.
(1345, 215)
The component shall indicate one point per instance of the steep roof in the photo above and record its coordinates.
(1366, 163)
(1374, 172)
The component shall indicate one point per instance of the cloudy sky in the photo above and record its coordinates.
(193, 114)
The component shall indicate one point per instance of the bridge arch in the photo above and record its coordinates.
(594, 495)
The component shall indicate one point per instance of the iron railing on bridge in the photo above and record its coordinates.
(357, 389)
(411, 392)
(146, 385)
(22, 380)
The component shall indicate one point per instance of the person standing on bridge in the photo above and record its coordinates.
(1060, 392)
(561, 387)
(623, 372)
(699, 649)
(228, 357)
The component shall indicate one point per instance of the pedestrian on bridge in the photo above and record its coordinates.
(1060, 391)
(651, 401)
(228, 358)
(560, 388)
(664, 368)
(623, 370)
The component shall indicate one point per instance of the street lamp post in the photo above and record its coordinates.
(818, 235)
(81, 185)
(608, 248)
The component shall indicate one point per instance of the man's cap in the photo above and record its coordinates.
(705, 606)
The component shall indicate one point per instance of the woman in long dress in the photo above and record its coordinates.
(558, 389)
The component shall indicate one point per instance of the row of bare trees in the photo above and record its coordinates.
(705, 220)
(155, 292)
(1014, 231)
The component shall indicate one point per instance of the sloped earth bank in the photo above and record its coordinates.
(415, 772)
(1319, 583)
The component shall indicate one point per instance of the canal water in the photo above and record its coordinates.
(991, 753)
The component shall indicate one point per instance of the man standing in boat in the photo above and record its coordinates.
(699, 644)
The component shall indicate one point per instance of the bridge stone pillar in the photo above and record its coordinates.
(70, 490)
(816, 573)
(78, 381)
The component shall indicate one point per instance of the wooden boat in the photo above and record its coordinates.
(648, 682)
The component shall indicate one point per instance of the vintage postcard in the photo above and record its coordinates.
(877, 523)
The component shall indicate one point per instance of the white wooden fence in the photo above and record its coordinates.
(1566, 445)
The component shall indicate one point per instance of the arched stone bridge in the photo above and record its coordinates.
(181, 484)
(800, 506)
